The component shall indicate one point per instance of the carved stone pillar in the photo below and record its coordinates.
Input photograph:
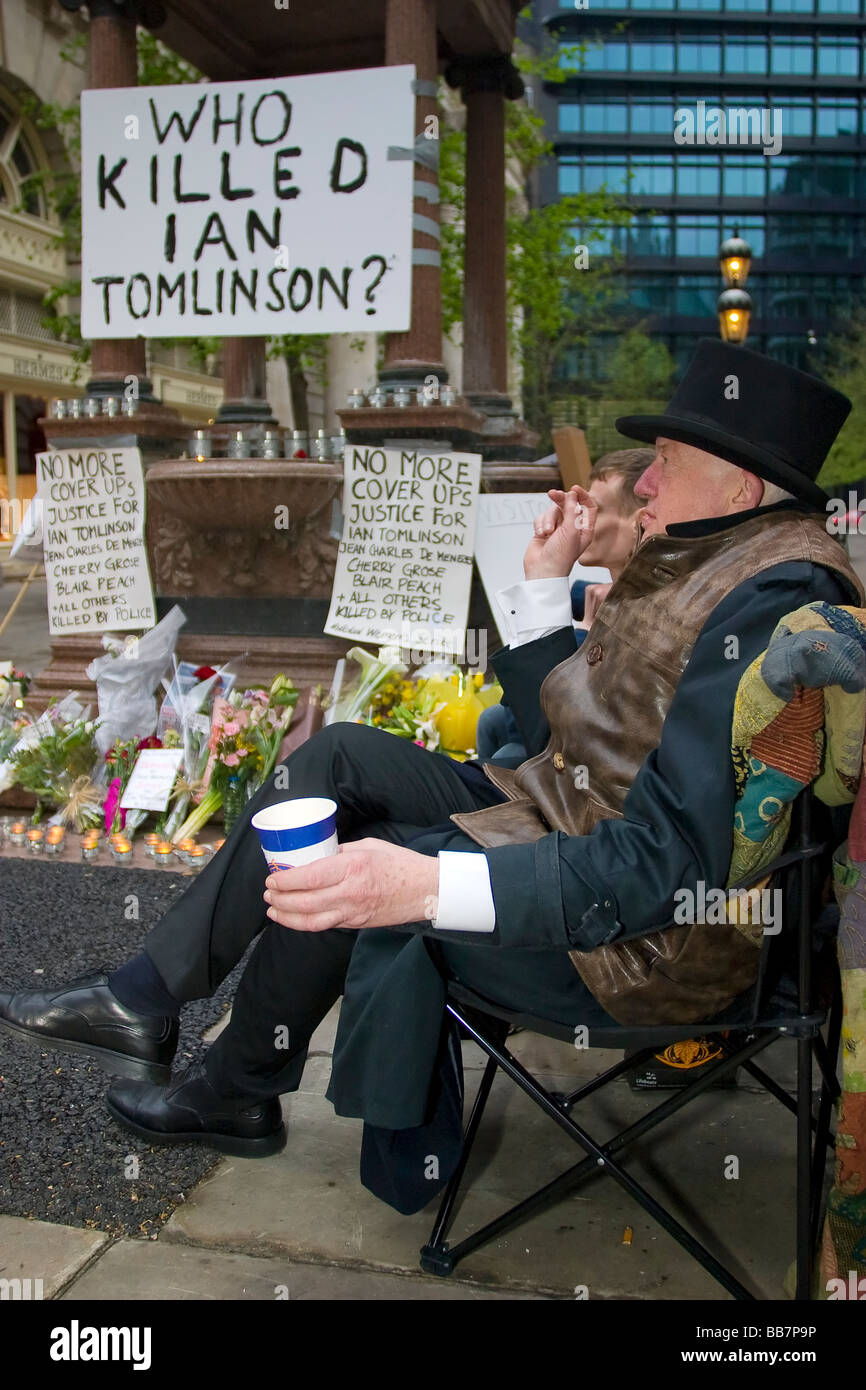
(484, 84)
(244, 391)
(410, 37)
(112, 55)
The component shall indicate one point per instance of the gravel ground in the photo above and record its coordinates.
(62, 1157)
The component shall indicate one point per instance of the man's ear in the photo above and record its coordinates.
(750, 491)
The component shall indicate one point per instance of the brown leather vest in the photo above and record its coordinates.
(606, 706)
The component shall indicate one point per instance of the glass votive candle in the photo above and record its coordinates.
(447, 395)
(91, 407)
(89, 846)
(200, 446)
(36, 839)
(55, 839)
(73, 408)
(237, 447)
(111, 405)
(300, 444)
(184, 849)
(130, 405)
(121, 850)
(321, 445)
(151, 840)
(18, 833)
(164, 854)
(379, 397)
(198, 857)
(338, 444)
(402, 395)
(272, 445)
(57, 409)
(356, 398)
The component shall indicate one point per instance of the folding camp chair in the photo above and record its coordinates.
(785, 1003)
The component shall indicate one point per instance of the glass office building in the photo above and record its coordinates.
(799, 201)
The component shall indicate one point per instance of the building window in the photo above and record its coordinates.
(569, 175)
(569, 116)
(753, 228)
(652, 175)
(650, 294)
(17, 164)
(697, 236)
(698, 177)
(602, 117)
(833, 178)
(652, 117)
(789, 176)
(602, 238)
(792, 54)
(600, 171)
(795, 6)
(650, 235)
(745, 176)
(652, 55)
(606, 57)
(699, 54)
(836, 118)
(839, 57)
(796, 113)
(745, 53)
(838, 6)
(696, 295)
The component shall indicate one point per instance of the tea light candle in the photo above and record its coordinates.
(89, 848)
(164, 853)
(54, 840)
(218, 845)
(36, 838)
(151, 841)
(197, 857)
(18, 833)
(121, 849)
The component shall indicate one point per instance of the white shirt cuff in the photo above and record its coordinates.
(465, 895)
(534, 608)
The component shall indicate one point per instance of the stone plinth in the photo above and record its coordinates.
(493, 436)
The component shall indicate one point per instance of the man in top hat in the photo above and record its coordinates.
(520, 877)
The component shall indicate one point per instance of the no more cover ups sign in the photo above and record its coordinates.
(248, 208)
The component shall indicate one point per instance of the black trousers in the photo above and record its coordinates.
(387, 788)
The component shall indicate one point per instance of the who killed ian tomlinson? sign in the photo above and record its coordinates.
(245, 208)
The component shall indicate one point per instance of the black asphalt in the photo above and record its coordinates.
(62, 1157)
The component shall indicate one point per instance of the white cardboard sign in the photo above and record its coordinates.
(404, 567)
(272, 206)
(152, 778)
(504, 531)
(91, 502)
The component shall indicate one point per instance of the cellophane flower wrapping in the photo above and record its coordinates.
(247, 730)
(127, 677)
(57, 763)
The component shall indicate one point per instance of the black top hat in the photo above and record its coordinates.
(762, 415)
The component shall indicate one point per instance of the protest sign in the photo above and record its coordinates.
(91, 503)
(504, 531)
(272, 206)
(404, 567)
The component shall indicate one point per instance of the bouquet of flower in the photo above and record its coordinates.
(187, 715)
(350, 703)
(245, 738)
(119, 762)
(14, 685)
(57, 764)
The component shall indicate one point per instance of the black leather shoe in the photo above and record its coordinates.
(189, 1111)
(84, 1016)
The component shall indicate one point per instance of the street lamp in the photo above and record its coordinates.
(734, 305)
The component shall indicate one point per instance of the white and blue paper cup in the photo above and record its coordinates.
(296, 832)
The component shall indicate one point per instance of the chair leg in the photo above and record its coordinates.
(434, 1257)
(804, 1169)
(829, 1093)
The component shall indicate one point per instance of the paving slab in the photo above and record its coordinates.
(40, 1250)
(307, 1203)
(136, 1270)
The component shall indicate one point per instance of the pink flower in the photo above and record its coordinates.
(111, 807)
(231, 759)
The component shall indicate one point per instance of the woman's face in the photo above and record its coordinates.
(615, 530)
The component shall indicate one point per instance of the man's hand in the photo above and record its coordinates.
(562, 534)
(368, 883)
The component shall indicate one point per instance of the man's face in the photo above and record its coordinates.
(687, 484)
(613, 537)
